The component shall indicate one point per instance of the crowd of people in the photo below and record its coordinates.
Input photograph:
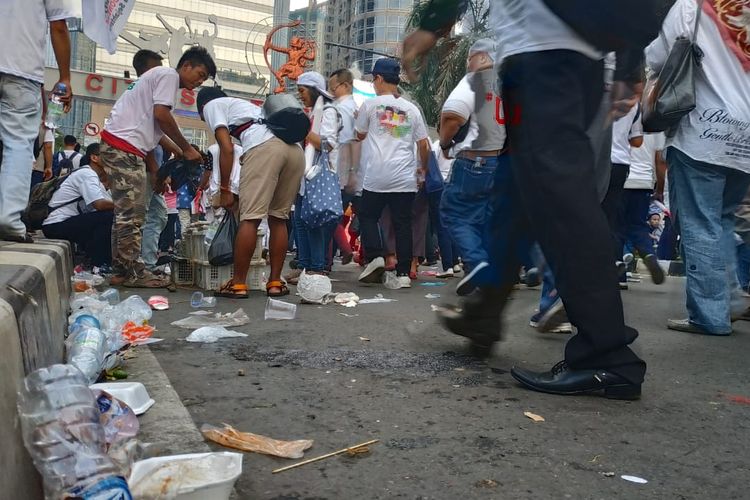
(539, 171)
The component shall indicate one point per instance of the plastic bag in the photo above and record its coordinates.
(221, 251)
(117, 418)
(246, 441)
(210, 334)
(134, 333)
(391, 281)
(313, 287)
(237, 318)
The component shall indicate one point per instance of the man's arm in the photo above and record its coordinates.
(636, 142)
(661, 174)
(47, 151)
(152, 167)
(164, 118)
(424, 149)
(58, 31)
(450, 123)
(103, 205)
(169, 147)
(226, 161)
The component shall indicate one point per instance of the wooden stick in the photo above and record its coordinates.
(351, 448)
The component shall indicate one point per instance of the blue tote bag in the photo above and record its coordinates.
(321, 204)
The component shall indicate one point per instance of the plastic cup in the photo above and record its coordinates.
(280, 310)
(196, 299)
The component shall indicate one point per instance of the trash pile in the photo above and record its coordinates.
(82, 436)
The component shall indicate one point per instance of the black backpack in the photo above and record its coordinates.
(38, 208)
(62, 163)
(612, 25)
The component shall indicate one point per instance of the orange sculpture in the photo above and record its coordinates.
(299, 53)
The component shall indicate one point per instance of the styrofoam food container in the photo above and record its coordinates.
(133, 394)
(196, 476)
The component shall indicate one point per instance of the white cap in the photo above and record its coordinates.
(315, 80)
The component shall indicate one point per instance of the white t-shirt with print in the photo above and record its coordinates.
(643, 162)
(83, 183)
(523, 26)
(230, 112)
(393, 127)
(23, 24)
(717, 131)
(214, 185)
(132, 117)
(624, 129)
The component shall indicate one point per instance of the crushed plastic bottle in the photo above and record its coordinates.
(61, 429)
(86, 350)
(198, 300)
(111, 296)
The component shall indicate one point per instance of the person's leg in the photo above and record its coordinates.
(127, 176)
(302, 237)
(550, 99)
(244, 247)
(637, 203)
(400, 205)
(707, 230)
(743, 219)
(444, 241)
(156, 221)
(734, 191)
(277, 245)
(369, 213)
(20, 108)
(167, 237)
(743, 266)
(464, 208)
(98, 236)
(317, 241)
(420, 214)
(614, 208)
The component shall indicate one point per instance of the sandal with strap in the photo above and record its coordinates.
(231, 290)
(146, 280)
(276, 284)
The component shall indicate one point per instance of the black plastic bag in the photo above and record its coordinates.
(221, 251)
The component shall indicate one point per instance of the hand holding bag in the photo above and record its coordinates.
(670, 96)
(322, 204)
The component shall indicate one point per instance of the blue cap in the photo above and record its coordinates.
(386, 67)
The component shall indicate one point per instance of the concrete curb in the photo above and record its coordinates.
(168, 423)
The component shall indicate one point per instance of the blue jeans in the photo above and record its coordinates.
(156, 221)
(312, 243)
(466, 207)
(20, 110)
(743, 265)
(704, 198)
(447, 257)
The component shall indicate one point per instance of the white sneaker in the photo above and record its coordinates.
(373, 273)
(404, 281)
(457, 269)
(445, 274)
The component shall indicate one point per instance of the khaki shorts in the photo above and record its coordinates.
(270, 179)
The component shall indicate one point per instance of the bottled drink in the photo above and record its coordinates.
(55, 106)
(61, 430)
(86, 351)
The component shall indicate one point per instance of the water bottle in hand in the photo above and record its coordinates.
(55, 106)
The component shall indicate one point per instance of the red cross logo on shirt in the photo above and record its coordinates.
(489, 97)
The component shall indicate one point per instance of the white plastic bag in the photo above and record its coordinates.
(313, 287)
(208, 334)
(237, 318)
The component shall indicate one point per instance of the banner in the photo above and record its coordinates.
(104, 20)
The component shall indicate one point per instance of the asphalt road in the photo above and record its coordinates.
(451, 426)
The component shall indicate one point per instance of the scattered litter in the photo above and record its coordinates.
(133, 394)
(200, 313)
(352, 450)
(607, 474)
(378, 299)
(431, 274)
(237, 318)
(349, 315)
(486, 483)
(593, 460)
(431, 296)
(347, 299)
(199, 300)
(313, 288)
(116, 418)
(364, 339)
(436, 308)
(280, 310)
(240, 373)
(136, 333)
(246, 441)
(158, 303)
(197, 475)
(433, 283)
(533, 416)
(208, 334)
(739, 399)
(148, 341)
(634, 479)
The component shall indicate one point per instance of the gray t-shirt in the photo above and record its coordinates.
(475, 98)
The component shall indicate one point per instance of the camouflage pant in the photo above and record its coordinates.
(127, 177)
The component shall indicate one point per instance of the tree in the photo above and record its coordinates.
(444, 67)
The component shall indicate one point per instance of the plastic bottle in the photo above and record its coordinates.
(86, 351)
(55, 106)
(198, 300)
(61, 430)
(211, 231)
(110, 295)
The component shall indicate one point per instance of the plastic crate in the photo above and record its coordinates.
(210, 277)
(198, 249)
(184, 272)
(258, 253)
(255, 276)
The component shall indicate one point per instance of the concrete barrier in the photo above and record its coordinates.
(34, 292)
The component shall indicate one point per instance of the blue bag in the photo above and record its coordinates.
(322, 204)
(433, 181)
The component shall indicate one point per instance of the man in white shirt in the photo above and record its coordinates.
(390, 126)
(136, 124)
(552, 89)
(269, 179)
(480, 172)
(68, 159)
(709, 158)
(81, 210)
(23, 24)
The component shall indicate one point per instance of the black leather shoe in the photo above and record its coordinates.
(477, 318)
(561, 379)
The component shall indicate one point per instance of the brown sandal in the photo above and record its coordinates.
(276, 284)
(230, 290)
